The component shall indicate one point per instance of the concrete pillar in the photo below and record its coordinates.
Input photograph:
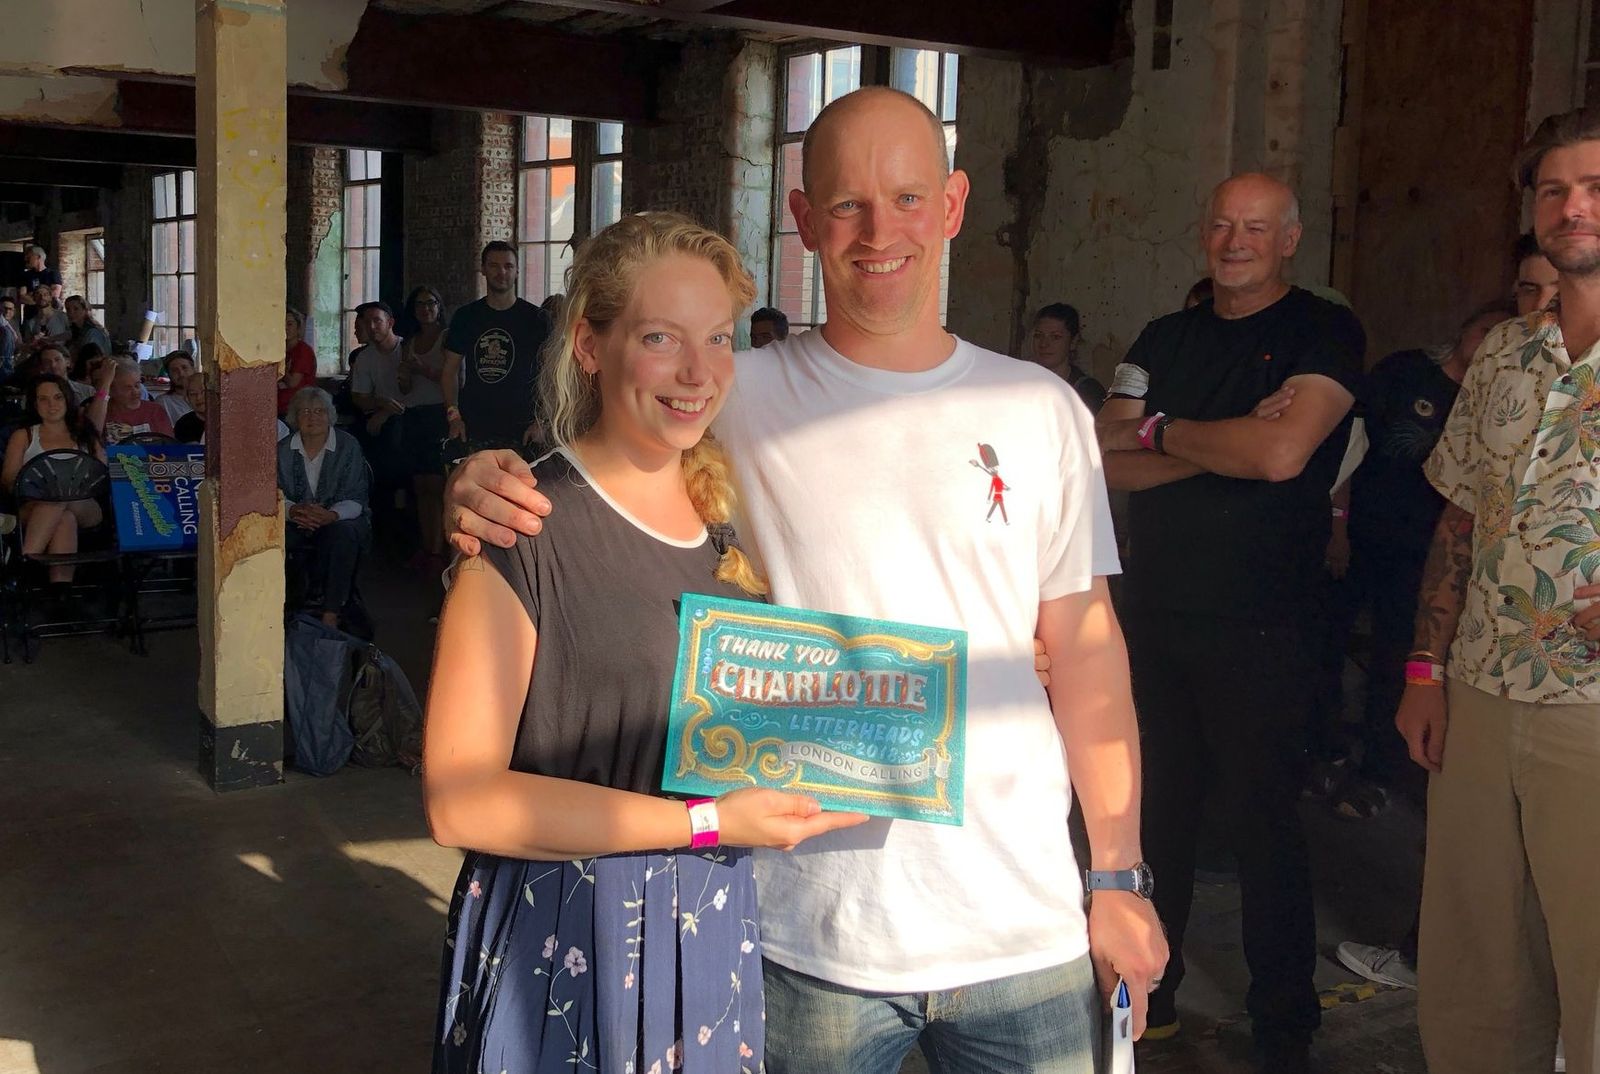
(241, 154)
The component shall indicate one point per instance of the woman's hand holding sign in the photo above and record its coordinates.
(758, 817)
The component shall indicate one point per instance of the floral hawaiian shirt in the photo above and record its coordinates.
(1521, 452)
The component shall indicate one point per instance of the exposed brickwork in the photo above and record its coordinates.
(442, 208)
(497, 178)
(70, 261)
(316, 192)
(681, 163)
(128, 252)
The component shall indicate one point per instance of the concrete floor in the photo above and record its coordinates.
(147, 924)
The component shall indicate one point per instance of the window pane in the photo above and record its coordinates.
(95, 252)
(535, 190)
(374, 164)
(844, 71)
(560, 139)
(374, 229)
(373, 279)
(608, 138)
(163, 248)
(793, 278)
(355, 279)
(186, 251)
(803, 94)
(164, 189)
(186, 308)
(164, 299)
(788, 180)
(355, 165)
(916, 71)
(947, 109)
(607, 194)
(355, 214)
(186, 188)
(950, 144)
(560, 258)
(562, 181)
(531, 271)
(97, 289)
(533, 138)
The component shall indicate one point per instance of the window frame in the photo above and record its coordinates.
(94, 279)
(584, 213)
(174, 327)
(370, 249)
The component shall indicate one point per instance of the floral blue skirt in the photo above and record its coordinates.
(627, 964)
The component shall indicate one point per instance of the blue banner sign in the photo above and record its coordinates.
(155, 495)
(862, 714)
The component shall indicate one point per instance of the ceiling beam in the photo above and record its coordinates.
(507, 65)
(86, 146)
(1074, 33)
(314, 118)
(58, 173)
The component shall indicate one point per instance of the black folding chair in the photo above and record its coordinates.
(63, 476)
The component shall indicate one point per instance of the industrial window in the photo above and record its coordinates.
(363, 218)
(94, 274)
(569, 185)
(811, 80)
(172, 258)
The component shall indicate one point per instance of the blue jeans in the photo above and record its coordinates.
(1045, 1022)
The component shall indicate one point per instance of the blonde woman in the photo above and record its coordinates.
(585, 933)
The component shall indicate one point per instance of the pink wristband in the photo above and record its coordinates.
(1424, 673)
(704, 825)
(1147, 431)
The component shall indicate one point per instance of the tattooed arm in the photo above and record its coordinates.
(1422, 718)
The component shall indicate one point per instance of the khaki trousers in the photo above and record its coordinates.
(1510, 941)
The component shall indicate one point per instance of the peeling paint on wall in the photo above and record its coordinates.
(67, 99)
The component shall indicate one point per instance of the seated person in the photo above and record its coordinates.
(83, 329)
(46, 324)
(126, 415)
(51, 360)
(54, 422)
(191, 427)
(324, 481)
(768, 325)
(177, 367)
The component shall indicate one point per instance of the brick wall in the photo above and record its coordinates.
(459, 198)
(680, 163)
(314, 202)
(70, 261)
(127, 226)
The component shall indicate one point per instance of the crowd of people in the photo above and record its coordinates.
(1255, 487)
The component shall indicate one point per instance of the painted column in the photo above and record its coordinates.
(241, 154)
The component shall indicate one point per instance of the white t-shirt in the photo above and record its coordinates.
(425, 391)
(862, 494)
(377, 372)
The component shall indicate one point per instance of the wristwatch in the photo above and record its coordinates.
(1139, 880)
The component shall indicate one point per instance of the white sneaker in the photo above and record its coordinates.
(1385, 965)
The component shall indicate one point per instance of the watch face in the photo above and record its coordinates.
(1144, 881)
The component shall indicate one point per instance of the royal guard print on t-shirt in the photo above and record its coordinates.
(989, 463)
(497, 353)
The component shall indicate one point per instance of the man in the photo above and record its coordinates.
(1228, 524)
(972, 938)
(1056, 331)
(45, 325)
(10, 337)
(768, 325)
(1536, 276)
(1505, 710)
(36, 275)
(375, 391)
(498, 337)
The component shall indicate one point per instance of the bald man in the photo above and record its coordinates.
(856, 447)
(1228, 523)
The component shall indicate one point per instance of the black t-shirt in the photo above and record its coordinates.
(1091, 391)
(1229, 546)
(500, 352)
(603, 597)
(32, 278)
(1405, 403)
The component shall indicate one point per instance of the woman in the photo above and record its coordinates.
(324, 481)
(177, 367)
(125, 414)
(53, 423)
(1055, 346)
(423, 425)
(83, 329)
(551, 686)
(299, 360)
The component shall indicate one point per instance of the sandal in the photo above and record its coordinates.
(1361, 801)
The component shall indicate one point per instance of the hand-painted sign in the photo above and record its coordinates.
(862, 714)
